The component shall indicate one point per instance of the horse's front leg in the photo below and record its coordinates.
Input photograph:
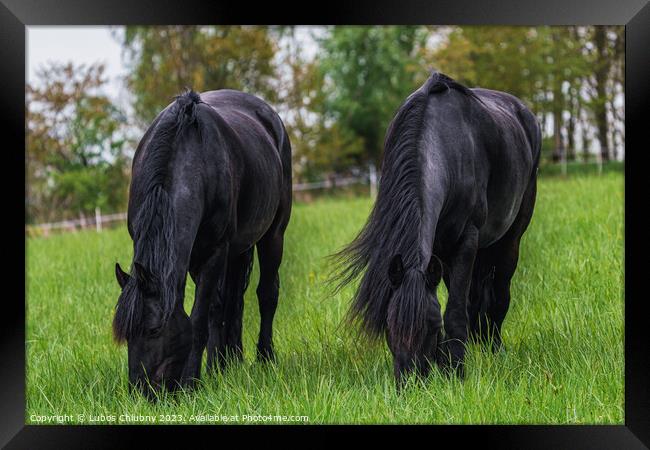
(451, 353)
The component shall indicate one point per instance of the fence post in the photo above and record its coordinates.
(372, 175)
(599, 162)
(98, 219)
(82, 221)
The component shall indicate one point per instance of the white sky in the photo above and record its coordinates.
(80, 45)
(92, 44)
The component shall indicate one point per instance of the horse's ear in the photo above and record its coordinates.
(396, 271)
(122, 276)
(142, 275)
(434, 271)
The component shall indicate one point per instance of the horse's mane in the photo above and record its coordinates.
(154, 250)
(394, 227)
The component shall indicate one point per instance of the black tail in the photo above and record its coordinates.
(186, 110)
(154, 255)
(391, 229)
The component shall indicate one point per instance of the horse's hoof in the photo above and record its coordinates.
(495, 345)
(450, 367)
(189, 384)
(266, 355)
(455, 371)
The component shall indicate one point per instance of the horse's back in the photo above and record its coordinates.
(260, 132)
(261, 146)
(512, 149)
(486, 145)
(510, 112)
(236, 106)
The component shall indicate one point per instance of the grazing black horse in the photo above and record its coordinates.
(211, 179)
(457, 192)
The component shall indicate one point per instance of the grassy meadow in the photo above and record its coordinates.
(563, 334)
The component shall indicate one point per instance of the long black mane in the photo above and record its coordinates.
(154, 254)
(394, 226)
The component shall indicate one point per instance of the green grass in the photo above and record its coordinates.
(574, 168)
(564, 332)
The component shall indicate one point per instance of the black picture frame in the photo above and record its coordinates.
(15, 15)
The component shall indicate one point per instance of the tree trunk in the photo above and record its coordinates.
(571, 126)
(619, 80)
(558, 150)
(600, 109)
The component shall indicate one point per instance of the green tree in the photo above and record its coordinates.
(368, 72)
(504, 58)
(319, 145)
(75, 144)
(606, 55)
(559, 71)
(164, 60)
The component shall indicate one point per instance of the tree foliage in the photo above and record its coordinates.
(164, 60)
(336, 105)
(565, 74)
(75, 144)
(320, 145)
(368, 72)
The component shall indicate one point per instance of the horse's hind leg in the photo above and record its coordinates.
(199, 319)
(480, 295)
(493, 292)
(206, 300)
(504, 256)
(225, 343)
(234, 313)
(269, 250)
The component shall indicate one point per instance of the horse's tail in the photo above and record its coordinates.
(154, 226)
(390, 229)
(154, 262)
(185, 107)
(158, 224)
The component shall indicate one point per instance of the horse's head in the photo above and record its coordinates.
(414, 321)
(158, 343)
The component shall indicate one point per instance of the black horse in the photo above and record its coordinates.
(211, 179)
(457, 192)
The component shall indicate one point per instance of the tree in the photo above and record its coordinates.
(607, 58)
(561, 72)
(75, 144)
(368, 72)
(517, 60)
(164, 60)
(319, 145)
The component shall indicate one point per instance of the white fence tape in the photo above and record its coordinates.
(98, 220)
